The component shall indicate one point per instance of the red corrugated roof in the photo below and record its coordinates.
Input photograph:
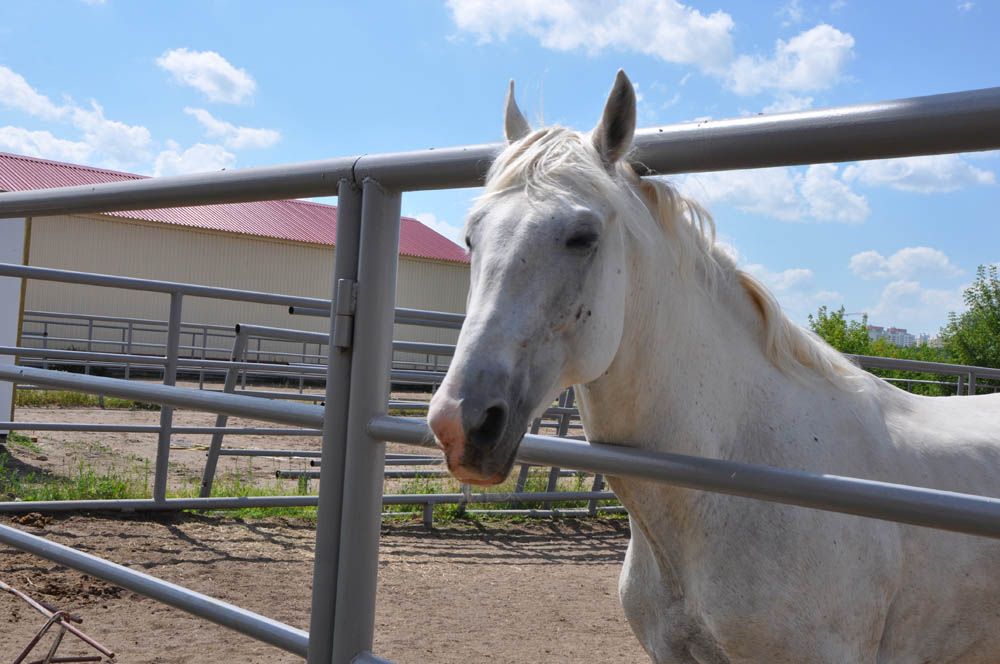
(300, 221)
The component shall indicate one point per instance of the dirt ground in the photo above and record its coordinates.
(466, 592)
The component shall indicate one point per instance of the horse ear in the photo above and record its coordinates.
(613, 134)
(515, 127)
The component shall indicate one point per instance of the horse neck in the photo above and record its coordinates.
(679, 381)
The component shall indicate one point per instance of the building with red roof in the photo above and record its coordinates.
(274, 246)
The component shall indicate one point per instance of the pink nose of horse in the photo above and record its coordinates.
(468, 430)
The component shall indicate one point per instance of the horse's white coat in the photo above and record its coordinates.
(671, 348)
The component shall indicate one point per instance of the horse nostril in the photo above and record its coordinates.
(490, 427)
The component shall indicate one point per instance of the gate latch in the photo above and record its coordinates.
(343, 326)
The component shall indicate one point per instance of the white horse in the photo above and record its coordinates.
(583, 274)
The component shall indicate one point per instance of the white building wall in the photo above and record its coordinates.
(95, 243)
(12, 248)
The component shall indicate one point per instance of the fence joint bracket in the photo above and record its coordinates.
(344, 306)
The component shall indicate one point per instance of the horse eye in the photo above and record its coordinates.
(468, 243)
(584, 240)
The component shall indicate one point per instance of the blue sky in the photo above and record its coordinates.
(171, 87)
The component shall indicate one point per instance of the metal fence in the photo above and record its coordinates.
(237, 367)
(354, 429)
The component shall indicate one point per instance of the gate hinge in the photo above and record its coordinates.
(343, 326)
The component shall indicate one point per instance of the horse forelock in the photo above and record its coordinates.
(556, 161)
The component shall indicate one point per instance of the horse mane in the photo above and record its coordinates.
(556, 160)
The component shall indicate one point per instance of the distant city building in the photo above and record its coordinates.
(897, 336)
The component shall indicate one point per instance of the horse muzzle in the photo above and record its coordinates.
(477, 434)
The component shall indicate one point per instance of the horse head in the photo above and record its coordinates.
(546, 303)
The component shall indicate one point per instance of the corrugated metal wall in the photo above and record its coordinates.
(160, 251)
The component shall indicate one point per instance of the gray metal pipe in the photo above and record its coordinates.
(153, 428)
(403, 316)
(297, 414)
(874, 362)
(330, 511)
(286, 334)
(221, 419)
(946, 510)
(357, 567)
(305, 454)
(953, 122)
(497, 497)
(149, 285)
(161, 464)
(222, 613)
(305, 179)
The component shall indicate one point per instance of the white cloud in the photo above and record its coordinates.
(210, 73)
(110, 142)
(829, 199)
(904, 264)
(450, 231)
(768, 191)
(791, 12)
(43, 144)
(813, 194)
(16, 93)
(785, 102)
(795, 290)
(812, 60)
(670, 31)
(120, 145)
(908, 304)
(925, 175)
(665, 29)
(199, 158)
(784, 280)
(234, 137)
(966, 6)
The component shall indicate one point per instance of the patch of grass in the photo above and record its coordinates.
(66, 399)
(84, 483)
(25, 442)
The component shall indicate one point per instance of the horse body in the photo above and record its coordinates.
(711, 578)
(582, 274)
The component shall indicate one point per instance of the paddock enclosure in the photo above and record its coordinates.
(354, 419)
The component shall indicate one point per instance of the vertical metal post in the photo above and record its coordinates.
(45, 344)
(166, 412)
(90, 344)
(302, 378)
(232, 374)
(128, 351)
(972, 383)
(335, 416)
(361, 509)
(204, 354)
(960, 386)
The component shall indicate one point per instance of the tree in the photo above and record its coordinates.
(973, 337)
(846, 336)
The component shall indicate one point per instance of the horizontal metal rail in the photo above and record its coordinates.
(441, 319)
(152, 285)
(231, 503)
(287, 334)
(153, 428)
(305, 454)
(297, 414)
(222, 613)
(953, 122)
(946, 510)
(900, 364)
